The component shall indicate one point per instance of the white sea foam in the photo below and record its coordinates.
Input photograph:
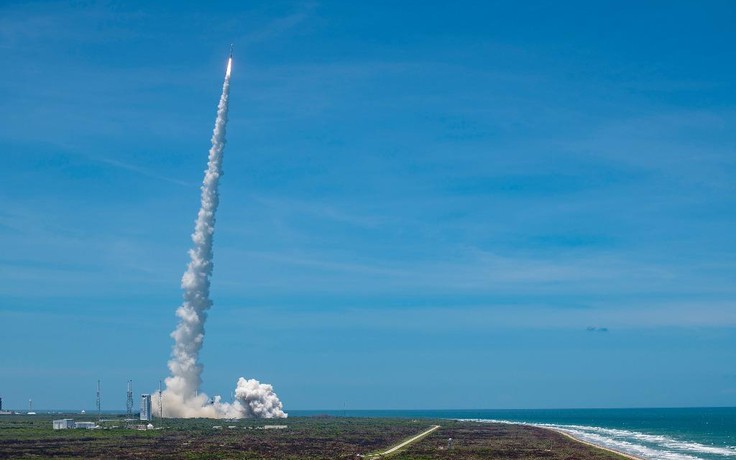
(661, 440)
(636, 443)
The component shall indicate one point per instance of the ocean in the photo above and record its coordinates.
(662, 434)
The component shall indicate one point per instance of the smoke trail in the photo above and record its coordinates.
(181, 397)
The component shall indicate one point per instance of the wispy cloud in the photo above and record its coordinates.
(327, 210)
(676, 143)
(139, 170)
(494, 316)
(63, 22)
(279, 26)
(469, 272)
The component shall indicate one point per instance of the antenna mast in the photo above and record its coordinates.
(129, 402)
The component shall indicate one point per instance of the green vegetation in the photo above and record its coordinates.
(473, 441)
(23, 436)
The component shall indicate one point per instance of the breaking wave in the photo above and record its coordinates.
(643, 445)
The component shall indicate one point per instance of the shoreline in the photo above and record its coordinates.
(559, 431)
(308, 438)
(608, 449)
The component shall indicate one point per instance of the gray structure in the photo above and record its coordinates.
(64, 424)
(86, 425)
(69, 424)
(129, 401)
(146, 407)
(3, 412)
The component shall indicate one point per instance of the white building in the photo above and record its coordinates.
(86, 425)
(64, 424)
(146, 407)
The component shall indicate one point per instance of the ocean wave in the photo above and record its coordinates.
(643, 445)
(664, 441)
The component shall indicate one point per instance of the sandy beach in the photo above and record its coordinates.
(568, 435)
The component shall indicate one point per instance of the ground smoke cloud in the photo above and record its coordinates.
(182, 398)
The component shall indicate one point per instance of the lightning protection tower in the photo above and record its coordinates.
(99, 412)
(160, 403)
(129, 402)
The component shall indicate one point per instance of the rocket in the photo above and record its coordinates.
(229, 62)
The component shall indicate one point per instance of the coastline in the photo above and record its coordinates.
(308, 438)
(613, 451)
(559, 431)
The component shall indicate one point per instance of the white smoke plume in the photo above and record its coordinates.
(181, 397)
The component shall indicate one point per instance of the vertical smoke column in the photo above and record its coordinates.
(183, 384)
(182, 397)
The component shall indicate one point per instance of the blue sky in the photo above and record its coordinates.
(425, 204)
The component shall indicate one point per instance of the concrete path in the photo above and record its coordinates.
(409, 441)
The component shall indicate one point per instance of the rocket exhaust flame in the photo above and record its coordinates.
(182, 397)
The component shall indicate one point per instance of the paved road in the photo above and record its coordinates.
(409, 441)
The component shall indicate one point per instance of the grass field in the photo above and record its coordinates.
(23, 436)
